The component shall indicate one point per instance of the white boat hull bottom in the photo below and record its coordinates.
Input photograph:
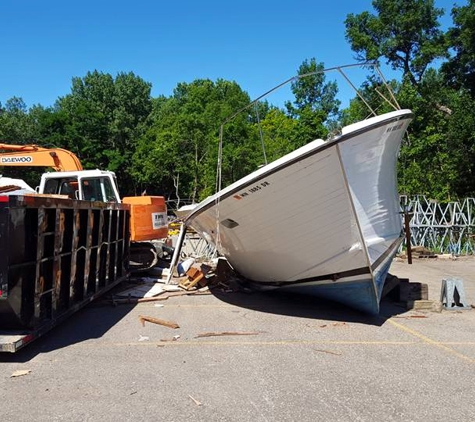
(362, 293)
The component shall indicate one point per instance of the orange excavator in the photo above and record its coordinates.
(33, 155)
(148, 214)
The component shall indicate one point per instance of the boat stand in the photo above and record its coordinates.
(452, 294)
(176, 253)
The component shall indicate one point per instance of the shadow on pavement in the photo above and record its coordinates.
(97, 318)
(305, 306)
(91, 322)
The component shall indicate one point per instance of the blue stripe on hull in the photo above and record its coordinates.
(359, 295)
(380, 278)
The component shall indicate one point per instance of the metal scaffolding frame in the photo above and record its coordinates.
(441, 227)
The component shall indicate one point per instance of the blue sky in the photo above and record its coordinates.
(258, 44)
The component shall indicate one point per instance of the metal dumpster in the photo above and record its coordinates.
(56, 255)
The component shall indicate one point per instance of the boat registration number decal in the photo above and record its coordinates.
(251, 190)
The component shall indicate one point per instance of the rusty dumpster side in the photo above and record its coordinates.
(56, 256)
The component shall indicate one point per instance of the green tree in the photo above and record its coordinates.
(315, 103)
(16, 124)
(179, 150)
(278, 131)
(105, 117)
(460, 68)
(461, 143)
(426, 165)
(404, 32)
(20, 125)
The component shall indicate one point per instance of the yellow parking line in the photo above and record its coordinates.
(428, 340)
(260, 343)
(194, 343)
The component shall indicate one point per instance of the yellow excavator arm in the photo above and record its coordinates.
(33, 155)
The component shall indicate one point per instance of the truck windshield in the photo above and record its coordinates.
(98, 189)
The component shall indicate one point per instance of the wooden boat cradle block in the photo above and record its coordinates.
(195, 276)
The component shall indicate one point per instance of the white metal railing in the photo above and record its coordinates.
(441, 227)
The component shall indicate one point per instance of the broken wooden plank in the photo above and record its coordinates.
(170, 324)
(20, 373)
(328, 351)
(198, 403)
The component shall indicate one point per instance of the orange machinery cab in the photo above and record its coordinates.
(148, 217)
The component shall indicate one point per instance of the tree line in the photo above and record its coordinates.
(169, 145)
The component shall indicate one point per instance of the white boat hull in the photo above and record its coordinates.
(323, 219)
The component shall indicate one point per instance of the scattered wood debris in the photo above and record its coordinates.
(198, 403)
(228, 333)
(174, 338)
(328, 351)
(142, 291)
(195, 277)
(20, 373)
(448, 256)
(163, 296)
(422, 252)
(170, 324)
(335, 324)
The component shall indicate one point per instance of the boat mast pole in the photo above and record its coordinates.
(260, 134)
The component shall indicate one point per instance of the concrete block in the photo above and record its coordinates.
(424, 305)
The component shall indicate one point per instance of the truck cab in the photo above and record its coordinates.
(88, 185)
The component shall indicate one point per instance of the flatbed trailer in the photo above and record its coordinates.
(56, 256)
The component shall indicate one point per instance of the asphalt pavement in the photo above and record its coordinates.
(252, 357)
